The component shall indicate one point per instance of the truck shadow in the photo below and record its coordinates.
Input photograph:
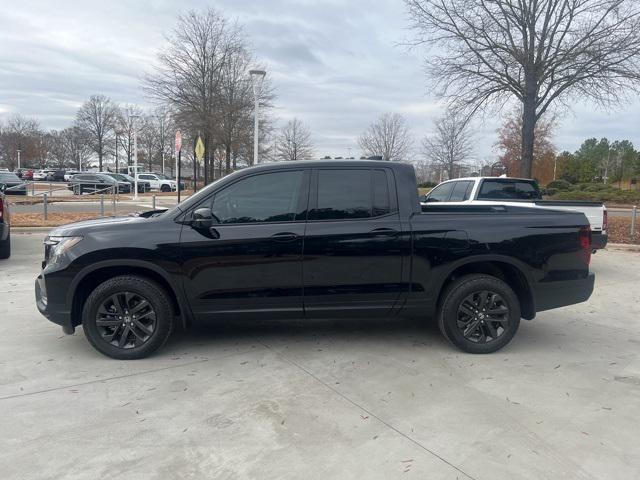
(272, 331)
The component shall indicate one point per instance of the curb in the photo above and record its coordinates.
(628, 247)
(30, 229)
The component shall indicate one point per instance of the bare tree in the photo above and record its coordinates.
(188, 74)
(451, 145)
(97, 117)
(388, 137)
(127, 120)
(294, 141)
(70, 148)
(19, 133)
(540, 52)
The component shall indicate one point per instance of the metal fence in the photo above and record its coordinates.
(75, 193)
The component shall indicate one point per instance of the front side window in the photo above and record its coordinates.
(441, 193)
(270, 197)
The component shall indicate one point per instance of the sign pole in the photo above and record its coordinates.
(179, 162)
(178, 147)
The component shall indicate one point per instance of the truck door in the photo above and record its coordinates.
(249, 262)
(352, 247)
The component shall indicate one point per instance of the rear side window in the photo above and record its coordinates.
(441, 193)
(343, 194)
(508, 190)
(381, 198)
(461, 191)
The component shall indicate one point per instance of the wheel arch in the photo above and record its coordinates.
(502, 268)
(85, 282)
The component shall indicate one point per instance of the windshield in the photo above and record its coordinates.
(163, 176)
(117, 176)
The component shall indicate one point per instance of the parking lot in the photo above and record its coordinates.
(348, 399)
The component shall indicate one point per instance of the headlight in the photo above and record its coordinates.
(55, 247)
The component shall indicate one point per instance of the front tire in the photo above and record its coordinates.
(479, 314)
(165, 188)
(127, 317)
(5, 247)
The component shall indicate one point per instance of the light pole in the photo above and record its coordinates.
(135, 155)
(257, 77)
(118, 133)
(19, 159)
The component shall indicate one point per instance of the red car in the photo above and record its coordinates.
(25, 173)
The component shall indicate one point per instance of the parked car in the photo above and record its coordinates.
(25, 173)
(39, 175)
(515, 191)
(158, 181)
(5, 228)
(96, 183)
(10, 184)
(55, 176)
(68, 174)
(143, 185)
(313, 239)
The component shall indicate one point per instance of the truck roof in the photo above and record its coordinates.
(491, 178)
(333, 163)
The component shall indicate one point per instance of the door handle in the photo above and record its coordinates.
(285, 237)
(384, 231)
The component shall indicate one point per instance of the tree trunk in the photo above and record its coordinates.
(227, 151)
(528, 137)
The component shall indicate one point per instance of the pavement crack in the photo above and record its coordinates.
(119, 377)
(367, 411)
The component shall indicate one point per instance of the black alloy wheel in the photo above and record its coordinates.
(479, 313)
(483, 316)
(128, 317)
(126, 320)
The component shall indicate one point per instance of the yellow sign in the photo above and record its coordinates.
(199, 149)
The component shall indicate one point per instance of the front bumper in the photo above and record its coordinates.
(599, 240)
(548, 295)
(56, 313)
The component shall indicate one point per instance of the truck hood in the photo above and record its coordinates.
(99, 224)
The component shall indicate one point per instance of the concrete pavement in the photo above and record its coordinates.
(342, 399)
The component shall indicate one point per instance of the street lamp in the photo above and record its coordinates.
(257, 77)
(133, 118)
(19, 159)
(118, 133)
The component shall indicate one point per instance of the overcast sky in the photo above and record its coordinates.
(335, 64)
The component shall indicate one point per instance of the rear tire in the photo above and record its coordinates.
(479, 314)
(5, 247)
(104, 327)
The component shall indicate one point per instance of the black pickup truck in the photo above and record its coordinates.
(313, 240)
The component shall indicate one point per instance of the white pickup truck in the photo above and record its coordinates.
(514, 191)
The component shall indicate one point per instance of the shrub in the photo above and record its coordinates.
(559, 185)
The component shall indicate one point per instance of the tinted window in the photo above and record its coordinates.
(461, 191)
(441, 192)
(343, 194)
(272, 197)
(147, 177)
(381, 202)
(508, 190)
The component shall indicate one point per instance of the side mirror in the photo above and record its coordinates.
(202, 218)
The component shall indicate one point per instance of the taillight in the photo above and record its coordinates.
(605, 221)
(584, 238)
